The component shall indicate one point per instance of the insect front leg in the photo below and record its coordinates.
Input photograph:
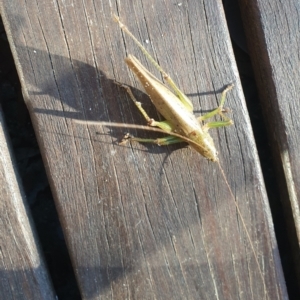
(168, 140)
(218, 111)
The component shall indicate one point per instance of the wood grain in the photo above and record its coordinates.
(22, 270)
(274, 49)
(143, 221)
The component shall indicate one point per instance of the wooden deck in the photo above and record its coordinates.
(23, 272)
(149, 222)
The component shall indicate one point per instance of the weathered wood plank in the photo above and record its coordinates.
(22, 271)
(144, 221)
(273, 32)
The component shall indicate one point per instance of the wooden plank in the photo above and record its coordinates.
(23, 274)
(144, 221)
(274, 49)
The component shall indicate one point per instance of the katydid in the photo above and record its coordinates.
(175, 107)
(180, 123)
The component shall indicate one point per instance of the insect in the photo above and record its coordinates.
(180, 124)
(175, 107)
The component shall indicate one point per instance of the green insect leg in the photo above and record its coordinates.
(218, 111)
(164, 125)
(168, 140)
